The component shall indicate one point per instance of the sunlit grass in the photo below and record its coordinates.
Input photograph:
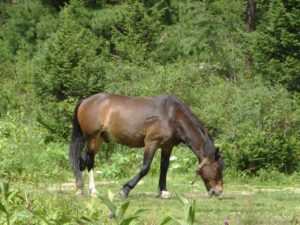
(248, 202)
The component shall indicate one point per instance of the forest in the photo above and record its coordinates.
(234, 63)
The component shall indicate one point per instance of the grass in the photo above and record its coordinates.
(245, 201)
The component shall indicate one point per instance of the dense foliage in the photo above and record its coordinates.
(243, 83)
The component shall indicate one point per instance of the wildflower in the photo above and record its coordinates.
(110, 215)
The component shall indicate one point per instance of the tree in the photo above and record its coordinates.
(136, 37)
(67, 69)
(277, 44)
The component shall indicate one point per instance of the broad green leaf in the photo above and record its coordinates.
(191, 213)
(2, 208)
(183, 200)
(166, 220)
(139, 212)
(109, 204)
(128, 220)
(122, 210)
(85, 218)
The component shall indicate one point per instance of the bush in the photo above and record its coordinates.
(257, 126)
(261, 150)
(254, 130)
(24, 154)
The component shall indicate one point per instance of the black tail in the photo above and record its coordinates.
(77, 143)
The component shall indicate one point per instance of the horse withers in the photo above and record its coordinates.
(157, 122)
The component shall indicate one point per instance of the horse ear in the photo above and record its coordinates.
(218, 153)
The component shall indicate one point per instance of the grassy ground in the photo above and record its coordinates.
(245, 201)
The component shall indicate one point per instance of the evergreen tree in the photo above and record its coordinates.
(68, 68)
(136, 36)
(277, 44)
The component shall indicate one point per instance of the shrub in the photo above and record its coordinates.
(25, 156)
(254, 124)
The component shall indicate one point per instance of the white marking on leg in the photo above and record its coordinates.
(92, 186)
(165, 194)
(79, 183)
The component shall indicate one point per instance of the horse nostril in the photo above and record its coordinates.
(218, 192)
(211, 192)
(215, 192)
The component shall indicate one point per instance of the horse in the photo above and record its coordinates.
(155, 122)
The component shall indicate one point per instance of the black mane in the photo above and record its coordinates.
(209, 149)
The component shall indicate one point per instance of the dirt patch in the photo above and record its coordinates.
(70, 186)
(285, 189)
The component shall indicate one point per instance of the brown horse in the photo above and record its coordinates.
(157, 122)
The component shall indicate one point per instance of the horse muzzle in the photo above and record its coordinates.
(215, 192)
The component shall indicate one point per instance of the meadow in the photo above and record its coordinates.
(271, 198)
(235, 64)
(37, 186)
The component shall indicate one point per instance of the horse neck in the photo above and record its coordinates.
(193, 136)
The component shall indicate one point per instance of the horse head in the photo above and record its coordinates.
(210, 170)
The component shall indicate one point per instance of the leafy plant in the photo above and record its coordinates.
(11, 204)
(189, 212)
(118, 213)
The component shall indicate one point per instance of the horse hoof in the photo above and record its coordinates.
(165, 194)
(123, 194)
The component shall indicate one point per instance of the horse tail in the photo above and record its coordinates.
(77, 144)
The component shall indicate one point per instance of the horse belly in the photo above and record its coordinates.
(127, 124)
(127, 137)
(125, 130)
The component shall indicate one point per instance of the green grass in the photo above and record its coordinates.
(245, 201)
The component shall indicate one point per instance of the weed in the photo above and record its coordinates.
(118, 213)
(189, 212)
(11, 204)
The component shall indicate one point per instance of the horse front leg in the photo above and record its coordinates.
(164, 166)
(149, 152)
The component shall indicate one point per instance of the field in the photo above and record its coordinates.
(269, 199)
(234, 64)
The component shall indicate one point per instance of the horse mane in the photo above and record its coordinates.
(209, 150)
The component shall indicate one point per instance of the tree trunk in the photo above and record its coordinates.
(251, 15)
(251, 25)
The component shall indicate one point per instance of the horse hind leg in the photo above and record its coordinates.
(79, 182)
(79, 176)
(93, 146)
(90, 167)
